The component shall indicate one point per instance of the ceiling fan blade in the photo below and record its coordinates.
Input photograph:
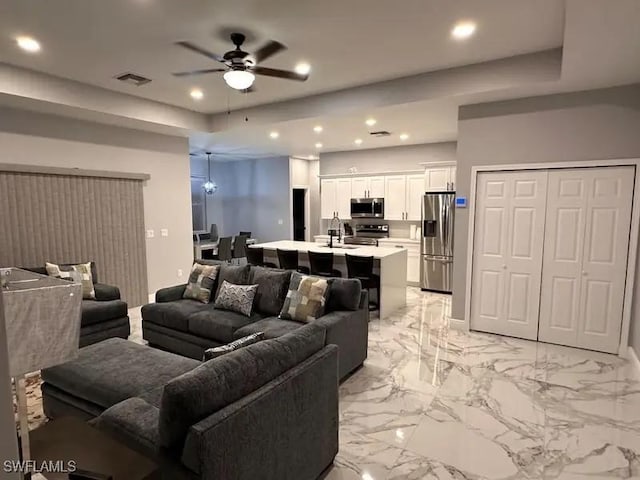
(274, 72)
(201, 51)
(198, 72)
(268, 50)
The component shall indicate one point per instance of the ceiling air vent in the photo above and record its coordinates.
(380, 133)
(133, 79)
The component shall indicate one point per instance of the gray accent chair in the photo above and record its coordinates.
(189, 327)
(267, 411)
(105, 317)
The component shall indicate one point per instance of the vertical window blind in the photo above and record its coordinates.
(71, 218)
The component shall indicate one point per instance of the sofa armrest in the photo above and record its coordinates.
(105, 293)
(170, 294)
(348, 330)
(134, 422)
(296, 412)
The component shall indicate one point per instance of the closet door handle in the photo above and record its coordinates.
(584, 274)
(504, 267)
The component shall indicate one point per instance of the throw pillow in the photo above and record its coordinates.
(201, 281)
(237, 298)
(80, 273)
(272, 289)
(306, 298)
(216, 352)
(236, 274)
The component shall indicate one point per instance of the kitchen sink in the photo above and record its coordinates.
(346, 247)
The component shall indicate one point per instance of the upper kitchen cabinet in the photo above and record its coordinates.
(439, 179)
(335, 197)
(403, 197)
(367, 187)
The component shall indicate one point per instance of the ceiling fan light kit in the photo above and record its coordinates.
(239, 79)
(240, 66)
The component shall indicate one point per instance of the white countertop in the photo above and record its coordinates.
(363, 250)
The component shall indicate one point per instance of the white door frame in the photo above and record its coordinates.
(623, 348)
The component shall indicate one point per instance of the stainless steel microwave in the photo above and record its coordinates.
(367, 208)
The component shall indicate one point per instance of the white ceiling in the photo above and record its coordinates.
(347, 42)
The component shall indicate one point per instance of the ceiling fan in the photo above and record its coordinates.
(240, 66)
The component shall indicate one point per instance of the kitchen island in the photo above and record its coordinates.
(389, 263)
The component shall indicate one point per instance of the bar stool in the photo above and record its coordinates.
(255, 256)
(288, 260)
(322, 264)
(362, 269)
(224, 250)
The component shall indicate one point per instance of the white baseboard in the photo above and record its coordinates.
(633, 357)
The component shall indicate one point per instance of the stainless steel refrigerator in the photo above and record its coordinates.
(436, 267)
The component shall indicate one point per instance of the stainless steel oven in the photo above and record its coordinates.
(367, 208)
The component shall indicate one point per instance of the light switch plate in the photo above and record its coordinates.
(280, 221)
(164, 232)
(150, 234)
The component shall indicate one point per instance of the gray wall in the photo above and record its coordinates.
(49, 140)
(8, 443)
(378, 160)
(591, 125)
(252, 195)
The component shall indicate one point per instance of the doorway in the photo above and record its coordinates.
(299, 214)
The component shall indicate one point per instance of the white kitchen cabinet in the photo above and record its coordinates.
(328, 197)
(395, 197)
(367, 187)
(376, 187)
(335, 198)
(438, 179)
(343, 198)
(414, 192)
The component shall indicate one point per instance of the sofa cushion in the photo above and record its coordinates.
(98, 312)
(97, 374)
(272, 288)
(272, 327)
(306, 299)
(206, 389)
(238, 275)
(215, 352)
(173, 314)
(202, 279)
(344, 294)
(219, 325)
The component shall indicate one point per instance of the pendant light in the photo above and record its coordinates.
(209, 187)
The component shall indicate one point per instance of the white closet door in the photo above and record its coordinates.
(507, 257)
(586, 257)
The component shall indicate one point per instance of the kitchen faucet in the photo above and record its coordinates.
(335, 220)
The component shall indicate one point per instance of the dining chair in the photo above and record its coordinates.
(239, 247)
(224, 250)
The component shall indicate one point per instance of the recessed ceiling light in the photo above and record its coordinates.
(404, 136)
(462, 30)
(317, 128)
(274, 134)
(318, 145)
(358, 141)
(28, 44)
(302, 68)
(196, 94)
(370, 122)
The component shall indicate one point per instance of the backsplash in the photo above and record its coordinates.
(397, 228)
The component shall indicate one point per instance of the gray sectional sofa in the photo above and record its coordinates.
(189, 327)
(268, 410)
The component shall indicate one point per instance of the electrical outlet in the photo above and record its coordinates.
(280, 221)
(179, 272)
(164, 232)
(150, 234)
